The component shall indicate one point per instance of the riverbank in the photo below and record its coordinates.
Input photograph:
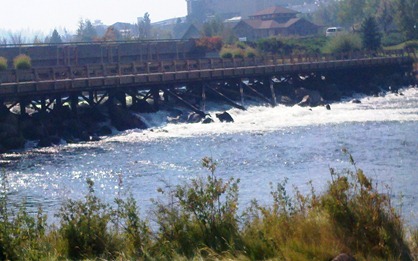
(200, 219)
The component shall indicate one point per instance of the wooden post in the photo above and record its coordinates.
(156, 97)
(241, 91)
(74, 103)
(203, 105)
(273, 93)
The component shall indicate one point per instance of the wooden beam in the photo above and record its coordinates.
(228, 100)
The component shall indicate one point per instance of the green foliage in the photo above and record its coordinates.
(86, 31)
(202, 214)
(288, 46)
(84, 227)
(212, 28)
(270, 45)
(406, 17)
(199, 220)
(226, 55)
(3, 63)
(358, 210)
(21, 234)
(370, 34)
(393, 38)
(22, 62)
(55, 37)
(136, 232)
(343, 43)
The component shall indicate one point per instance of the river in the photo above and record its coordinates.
(263, 145)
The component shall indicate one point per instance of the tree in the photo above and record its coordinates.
(55, 37)
(407, 18)
(214, 27)
(384, 14)
(370, 34)
(144, 27)
(112, 34)
(86, 31)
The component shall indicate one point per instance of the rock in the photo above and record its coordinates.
(344, 257)
(104, 131)
(308, 97)
(355, 101)
(194, 117)
(305, 101)
(207, 120)
(328, 107)
(123, 120)
(224, 117)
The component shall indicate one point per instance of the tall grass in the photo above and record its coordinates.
(200, 220)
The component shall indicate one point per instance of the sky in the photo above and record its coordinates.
(47, 15)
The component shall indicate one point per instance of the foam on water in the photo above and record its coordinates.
(391, 107)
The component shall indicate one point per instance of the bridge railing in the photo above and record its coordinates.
(57, 73)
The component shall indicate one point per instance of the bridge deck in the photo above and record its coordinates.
(67, 79)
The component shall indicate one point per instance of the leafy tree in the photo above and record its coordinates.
(407, 18)
(370, 34)
(55, 37)
(112, 34)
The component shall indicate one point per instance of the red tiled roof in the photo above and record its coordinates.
(269, 24)
(275, 10)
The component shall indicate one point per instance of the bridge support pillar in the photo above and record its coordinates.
(273, 93)
(156, 97)
(241, 92)
(23, 104)
(74, 103)
(203, 104)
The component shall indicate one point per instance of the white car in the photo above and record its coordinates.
(332, 31)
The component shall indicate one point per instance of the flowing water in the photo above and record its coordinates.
(263, 145)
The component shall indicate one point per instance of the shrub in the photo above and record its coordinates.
(343, 43)
(238, 53)
(226, 55)
(202, 214)
(22, 62)
(84, 227)
(3, 63)
(351, 216)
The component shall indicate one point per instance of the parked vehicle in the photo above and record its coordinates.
(332, 31)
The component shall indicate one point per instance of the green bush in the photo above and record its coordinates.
(3, 63)
(238, 53)
(201, 215)
(84, 227)
(22, 62)
(343, 43)
(226, 55)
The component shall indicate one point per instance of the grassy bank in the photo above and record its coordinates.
(200, 220)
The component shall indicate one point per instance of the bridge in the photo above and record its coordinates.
(46, 87)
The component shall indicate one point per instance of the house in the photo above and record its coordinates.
(274, 21)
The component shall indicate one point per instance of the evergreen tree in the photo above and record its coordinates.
(55, 37)
(86, 31)
(370, 34)
(407, 18)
